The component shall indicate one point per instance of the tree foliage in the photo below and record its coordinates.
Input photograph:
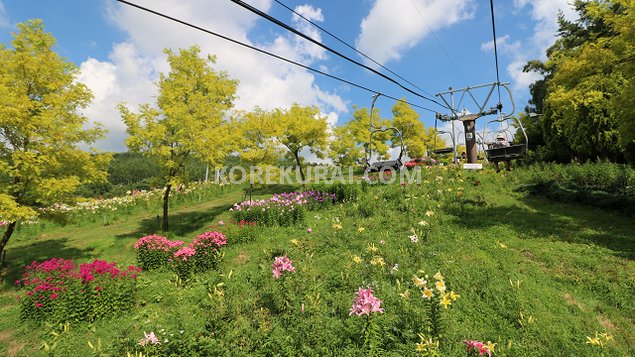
(302, 127)
(189, 120)
(416, 139)
(586, 95)
(351, 143)
(41, 127)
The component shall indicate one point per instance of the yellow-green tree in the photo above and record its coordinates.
(415, 137)
(189, 120)
(302, 127)
(343, 149)
(351, 140)
(40, 128)
(256, 142)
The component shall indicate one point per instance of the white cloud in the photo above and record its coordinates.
(545, 14)
(126, 77)
(4, 18)
(392, 27)
(263, 81)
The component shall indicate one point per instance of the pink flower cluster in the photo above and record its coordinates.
(157, 242)
(184, 253)
(209, 239)
(477, 345)
(3, 223)
(281, 264)
(87, 272)
(289, 200)
(149, 338)
(365, 303)
(50, 279)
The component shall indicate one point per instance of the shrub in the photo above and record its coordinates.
(56, 291)
(183, 262)
(207, 250)
(154, 251)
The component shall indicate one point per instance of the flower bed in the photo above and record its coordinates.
(57, 290)
(283, 209)
(202, 254)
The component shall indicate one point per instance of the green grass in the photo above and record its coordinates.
(573, 266)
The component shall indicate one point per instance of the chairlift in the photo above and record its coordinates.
(446, 150)
(382, 165)
(493, 151)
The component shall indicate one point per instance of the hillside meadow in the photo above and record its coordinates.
(462, 256)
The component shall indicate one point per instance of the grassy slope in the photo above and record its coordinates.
(574, 264)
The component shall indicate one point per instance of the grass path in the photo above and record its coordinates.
(113, 243)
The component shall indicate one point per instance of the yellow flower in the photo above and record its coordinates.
(438, 276)
(427, 294)
(423, 223)
(361, 229)
(357, 259)
(503, 246)
(420, 283)
(445, 301)
(599, 339)
(405, 295)
(490, 346)
(454, 296)
(429, 213)
(377, 260)
(371, 248)
(337, 226)
(427, 345)
(295, 242)
(440, 285)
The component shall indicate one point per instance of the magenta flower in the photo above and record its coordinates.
(309, 230)
(365, 303)
(477, 345)
(281, 264)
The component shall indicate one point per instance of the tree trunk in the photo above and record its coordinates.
(166, 197)
(297, 160)
(7, 235)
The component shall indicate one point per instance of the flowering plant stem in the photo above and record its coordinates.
(372, 336)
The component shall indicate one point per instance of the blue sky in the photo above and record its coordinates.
(434, 44)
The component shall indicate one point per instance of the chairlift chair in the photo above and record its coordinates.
(497, 154)
(379, 166)
(442, 132)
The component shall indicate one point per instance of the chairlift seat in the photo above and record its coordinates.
(506, 153)
(443, 151)
(385, 165)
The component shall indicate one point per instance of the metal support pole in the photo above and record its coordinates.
(470, 141)
(455, 158)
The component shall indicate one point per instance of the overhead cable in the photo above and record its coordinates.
(351, 47)
(491, 5)
(268, 53)
(318, 43)
(456, 68)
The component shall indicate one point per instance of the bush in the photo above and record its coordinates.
(183, 262)
(154, 251)
(207, 250)
(57, 292)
